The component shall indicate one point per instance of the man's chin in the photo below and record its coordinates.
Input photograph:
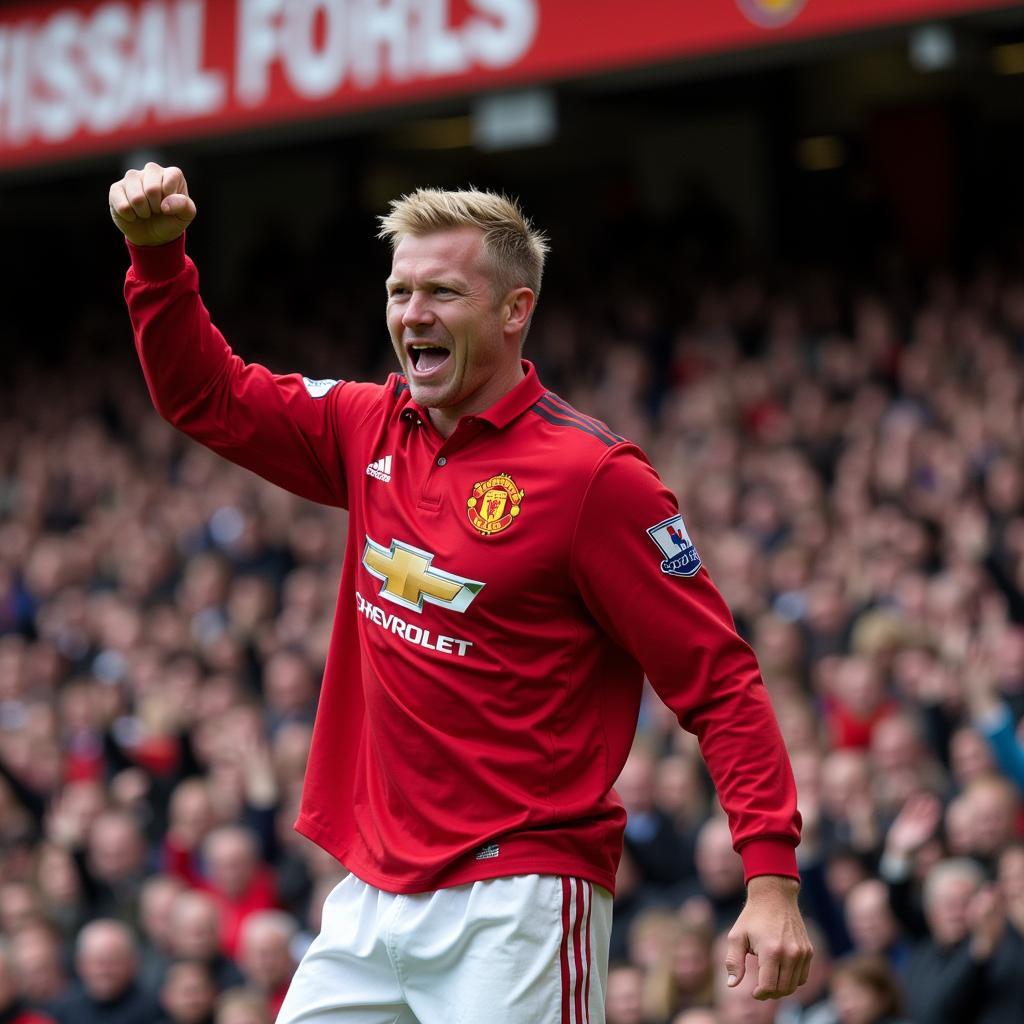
(431, 396)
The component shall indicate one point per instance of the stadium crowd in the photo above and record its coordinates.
(850, 463)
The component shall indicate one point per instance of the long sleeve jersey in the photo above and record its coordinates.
(505, 590)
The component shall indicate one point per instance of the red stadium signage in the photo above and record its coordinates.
(86, 77)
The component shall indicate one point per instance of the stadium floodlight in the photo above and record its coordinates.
(932, 48)
(511, 120)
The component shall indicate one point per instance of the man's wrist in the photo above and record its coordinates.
(772, 885)
(155, 263)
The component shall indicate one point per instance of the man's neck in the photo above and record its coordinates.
(446, 420)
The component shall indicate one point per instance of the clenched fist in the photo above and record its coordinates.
(151, 206)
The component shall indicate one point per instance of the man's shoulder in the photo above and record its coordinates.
(586, 455)
(392, 394)
(558, 418)
(575, 445)
(354, 401)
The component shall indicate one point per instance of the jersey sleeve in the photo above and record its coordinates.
(642, 579)
(286, 428)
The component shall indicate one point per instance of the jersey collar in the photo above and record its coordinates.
(511, 405)
(516, 401)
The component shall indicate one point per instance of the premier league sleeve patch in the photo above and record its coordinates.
(318, 388)
(680, 556)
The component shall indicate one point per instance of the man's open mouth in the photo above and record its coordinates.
(426, 358)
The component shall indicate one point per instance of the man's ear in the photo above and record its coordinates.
(517, 307)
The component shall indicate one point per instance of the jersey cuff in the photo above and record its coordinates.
(768, 857)
(158, 262)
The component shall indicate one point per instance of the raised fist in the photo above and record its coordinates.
(151, 206)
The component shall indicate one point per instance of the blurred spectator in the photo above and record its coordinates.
(237, 880)
(993, 715)
(650, 832)
(60, 887)
(20, 905)
(38, 962)
(994, 811)
(191, 816)
(651, 935)
(696, 1017)
(13, 1009)
(265, 955)
(195, 934)
(188, 994)
(970, 756)
(856, 703)
(114, 866)
(157, 897)
(631, 898)
(864, 991)
(624, 995)
(847, 810)
(239, 1006)
(681, 792)
(944, 974)
(717, 898)
(290, 689)
(107, 966)
(872, 925)
(682, 977)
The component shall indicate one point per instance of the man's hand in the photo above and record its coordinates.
(771, 928)
(914, 825)
(979, 680)
(151, 206)
(987, 921)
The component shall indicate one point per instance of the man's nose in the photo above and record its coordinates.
(417, 310)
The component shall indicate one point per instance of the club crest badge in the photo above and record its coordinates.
(494, 504)
(681, 558)
(771, 13)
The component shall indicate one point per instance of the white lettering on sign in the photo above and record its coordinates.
(506, 35)
(120, 65)
(107, 70)
(320, 45)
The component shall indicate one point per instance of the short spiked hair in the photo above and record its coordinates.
(516, 249)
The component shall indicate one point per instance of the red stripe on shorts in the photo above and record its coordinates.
(577, 946)
(563, 953)
(590, 907)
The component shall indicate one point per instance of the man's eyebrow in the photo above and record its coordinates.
(433, 281)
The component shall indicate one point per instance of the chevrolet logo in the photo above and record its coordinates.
(409, 579)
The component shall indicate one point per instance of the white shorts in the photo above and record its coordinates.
(527, 949)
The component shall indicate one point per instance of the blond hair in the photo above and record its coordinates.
(517, 250)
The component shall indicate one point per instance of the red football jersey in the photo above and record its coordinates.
(504, 593)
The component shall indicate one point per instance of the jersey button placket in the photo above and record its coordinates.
(430, 498)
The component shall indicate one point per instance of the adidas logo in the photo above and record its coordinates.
(380, 470)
